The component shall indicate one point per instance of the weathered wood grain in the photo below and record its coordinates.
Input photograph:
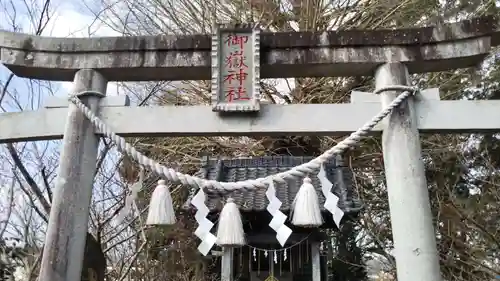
(297, 119)
(411, 218)
(227, 264)
(293, 54)
(67, 228)
(316, 261)
(478, 27)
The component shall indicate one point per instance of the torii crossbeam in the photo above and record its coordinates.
(389, 55)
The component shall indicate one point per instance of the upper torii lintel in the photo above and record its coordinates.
(286, 54)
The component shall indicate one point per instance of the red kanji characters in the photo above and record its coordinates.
(235, 65)
(234, 39)
(240, 76)
(236, 93)
(236, 59)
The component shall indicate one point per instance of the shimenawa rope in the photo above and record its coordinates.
(298, 171)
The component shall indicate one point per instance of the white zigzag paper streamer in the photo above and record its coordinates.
(204, 225)
(331, 199)
(278, 221)
(130, 200)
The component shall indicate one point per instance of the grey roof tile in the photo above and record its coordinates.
(238, 169)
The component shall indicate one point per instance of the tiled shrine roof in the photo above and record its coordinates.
(240, 169)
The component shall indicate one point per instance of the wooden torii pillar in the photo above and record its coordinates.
(390, 55)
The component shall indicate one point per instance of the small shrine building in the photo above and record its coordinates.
(263, 258)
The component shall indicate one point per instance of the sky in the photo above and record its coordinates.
(74, 21)
(70, 19)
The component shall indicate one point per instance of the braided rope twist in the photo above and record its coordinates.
(296, 172)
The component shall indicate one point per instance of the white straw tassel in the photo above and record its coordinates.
(306, 210)
(161, 209)
(230, 230)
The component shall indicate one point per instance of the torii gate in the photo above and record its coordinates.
(388, 54)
